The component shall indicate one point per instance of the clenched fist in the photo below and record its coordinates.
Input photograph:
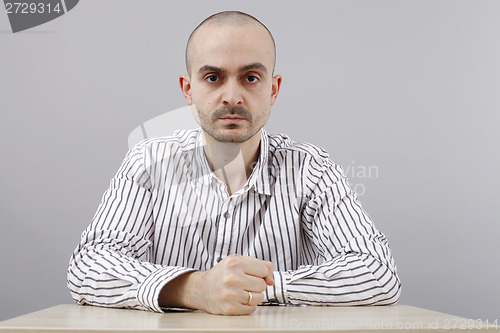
(223, 289)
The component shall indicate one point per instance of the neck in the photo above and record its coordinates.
(232, 162)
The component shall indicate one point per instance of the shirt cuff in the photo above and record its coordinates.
(149, 291)
(277, 293)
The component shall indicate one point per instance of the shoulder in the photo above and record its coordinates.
(281, 144)
(310, 160)
(180, 140)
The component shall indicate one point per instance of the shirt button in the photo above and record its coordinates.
(227, 215)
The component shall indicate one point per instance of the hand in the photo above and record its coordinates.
(223, 289)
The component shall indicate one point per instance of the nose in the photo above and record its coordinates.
(233, 94)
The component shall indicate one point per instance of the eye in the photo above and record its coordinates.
(252, 78)
(212, 78)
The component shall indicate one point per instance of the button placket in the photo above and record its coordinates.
(224, 229)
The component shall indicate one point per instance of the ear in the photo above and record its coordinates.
(276, 84)
(185, 83)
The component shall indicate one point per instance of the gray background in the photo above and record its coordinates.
(409, 88)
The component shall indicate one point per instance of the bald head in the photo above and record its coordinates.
(227, 18)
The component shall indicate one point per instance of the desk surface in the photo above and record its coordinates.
(396, 318)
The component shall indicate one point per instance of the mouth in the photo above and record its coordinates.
(231, 119)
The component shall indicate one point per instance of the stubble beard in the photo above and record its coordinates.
(231, 132)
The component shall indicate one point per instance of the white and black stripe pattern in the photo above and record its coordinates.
(165, 213)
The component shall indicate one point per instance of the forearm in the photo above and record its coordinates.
(181, 292)
(351, 278)
(111, 273)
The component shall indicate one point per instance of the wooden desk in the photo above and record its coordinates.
(396, 318)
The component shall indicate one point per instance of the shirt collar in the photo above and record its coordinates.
(260, 177)
(203, 171)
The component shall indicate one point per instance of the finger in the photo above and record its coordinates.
(270, 266)
(253, 299)
(269, 280)
(235, 309)
(257, 267)
(253, 283)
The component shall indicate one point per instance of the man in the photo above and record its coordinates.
(228, 217)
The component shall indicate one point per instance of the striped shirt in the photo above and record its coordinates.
(166, 213)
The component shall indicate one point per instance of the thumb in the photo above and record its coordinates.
(269, 278)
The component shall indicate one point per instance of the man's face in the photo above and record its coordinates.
(231, 84)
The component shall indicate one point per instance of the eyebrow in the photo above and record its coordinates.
(255, 65)
(208, 68)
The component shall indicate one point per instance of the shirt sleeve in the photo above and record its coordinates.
(350, 260)
(110, 266)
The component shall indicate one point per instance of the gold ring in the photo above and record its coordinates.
(249, 298)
